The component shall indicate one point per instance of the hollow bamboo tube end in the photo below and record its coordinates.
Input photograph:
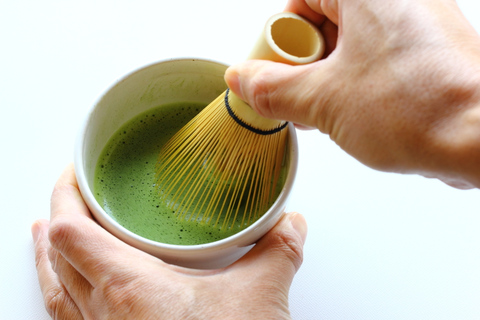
(286, 38)
(289, 38)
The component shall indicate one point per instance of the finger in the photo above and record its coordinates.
(57, 301)
(315, 10)
(279, 253)
(66, 197)
(84, 244)
(78, 288)
(303, 127)
(301, 8)
(324, 14)
(330, 34)
(329, 8)
(277, 91)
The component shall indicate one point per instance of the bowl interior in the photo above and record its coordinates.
(179, 80)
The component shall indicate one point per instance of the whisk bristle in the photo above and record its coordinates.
(219, 172)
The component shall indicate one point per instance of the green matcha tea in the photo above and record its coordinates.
(125, 184)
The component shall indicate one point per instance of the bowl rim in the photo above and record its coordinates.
(107, 222)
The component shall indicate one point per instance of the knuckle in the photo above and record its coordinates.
(290, 247)
(55, 300)
(61, 228)
(121, 291)
(260, 95)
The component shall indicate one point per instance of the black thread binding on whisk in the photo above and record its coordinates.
(246, 125)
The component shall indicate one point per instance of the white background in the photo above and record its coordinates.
(380, 246)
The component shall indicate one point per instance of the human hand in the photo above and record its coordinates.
(398, 89)
(87, 273)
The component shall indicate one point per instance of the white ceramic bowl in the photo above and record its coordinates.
(175, 80)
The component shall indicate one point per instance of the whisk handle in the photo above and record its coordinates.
(289, 38)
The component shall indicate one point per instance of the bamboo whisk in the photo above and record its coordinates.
(223, 167)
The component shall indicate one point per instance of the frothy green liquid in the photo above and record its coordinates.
(125, 179)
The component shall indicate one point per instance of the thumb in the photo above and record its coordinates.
(275, 90)
(280, 252)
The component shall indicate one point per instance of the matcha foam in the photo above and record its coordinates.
(125, 179)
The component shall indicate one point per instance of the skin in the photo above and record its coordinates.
(398, 89)
(86, 273)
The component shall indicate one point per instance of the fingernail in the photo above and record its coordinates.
(300, 225)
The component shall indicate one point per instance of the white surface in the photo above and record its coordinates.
(380, 246)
